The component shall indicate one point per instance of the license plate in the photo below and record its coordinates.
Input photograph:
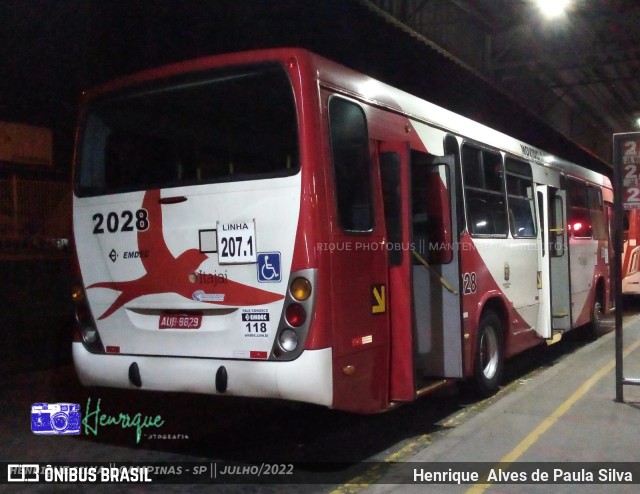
(180, 320)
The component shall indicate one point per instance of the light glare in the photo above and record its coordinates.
(552, 8)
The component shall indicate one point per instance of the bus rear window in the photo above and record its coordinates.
(238, 124)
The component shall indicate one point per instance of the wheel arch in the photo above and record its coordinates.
(496, 303)
(498, 306)
(600, 292)
(488, 358)
(595, 327)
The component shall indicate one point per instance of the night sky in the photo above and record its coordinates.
(53, 49)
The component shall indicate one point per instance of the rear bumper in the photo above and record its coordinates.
(631, 287)
(308, 378)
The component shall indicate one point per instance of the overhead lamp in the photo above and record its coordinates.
(552, 8)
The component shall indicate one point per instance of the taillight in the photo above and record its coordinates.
(77, 293)
(300, 289)
(86, 330)
(83, 315)
(90, 335)
(288, 340)
(295, 315)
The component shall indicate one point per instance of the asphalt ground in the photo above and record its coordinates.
(564, 421)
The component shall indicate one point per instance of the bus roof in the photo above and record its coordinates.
(367, 89)
(360, 86)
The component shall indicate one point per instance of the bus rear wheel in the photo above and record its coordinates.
(489, 355)
(596, 327)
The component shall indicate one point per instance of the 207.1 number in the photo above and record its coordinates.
(232, 247)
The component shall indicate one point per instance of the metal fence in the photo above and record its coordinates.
(35, 216)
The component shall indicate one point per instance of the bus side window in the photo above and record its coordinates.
(351, 165)
(542, 223)
(95, 154)
(579, 216)
(556, 205)
(633, 263)
(625, 227)
(390, 171)
(452, 148)
(596, 208)
(431, 212)
(484, 192)
(520, 196)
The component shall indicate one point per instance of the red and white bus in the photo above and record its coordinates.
(273, 224)
(631, 253)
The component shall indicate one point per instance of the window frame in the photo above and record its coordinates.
(91, 180)
(530, 199)
(571, 206)
(596, 211)
(420, 163)
(467, 188)
(369, 190)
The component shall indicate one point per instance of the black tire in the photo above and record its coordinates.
(596, 327)
(489, 355)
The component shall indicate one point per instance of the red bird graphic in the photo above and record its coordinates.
(168, 274)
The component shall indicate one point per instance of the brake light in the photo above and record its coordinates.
(85, 330)
(295, 315)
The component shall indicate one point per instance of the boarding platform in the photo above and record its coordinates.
(561, 418)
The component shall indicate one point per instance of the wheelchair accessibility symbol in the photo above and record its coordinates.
(269, 267)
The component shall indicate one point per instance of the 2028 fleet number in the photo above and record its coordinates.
(128, 221)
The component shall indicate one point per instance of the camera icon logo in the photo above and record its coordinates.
(55, 418)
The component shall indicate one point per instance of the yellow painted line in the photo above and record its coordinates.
(549, 421)
(377, 471)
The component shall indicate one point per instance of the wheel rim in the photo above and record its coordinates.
(489, 353)
(597, 315)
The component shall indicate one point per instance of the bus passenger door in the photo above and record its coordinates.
(394, 171)
(358, 281)
(559, 260)
(435, 267)
(543, 327)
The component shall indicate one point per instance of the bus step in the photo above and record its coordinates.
(428, 385)
(555, 338)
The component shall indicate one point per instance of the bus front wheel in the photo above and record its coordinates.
(489, 355)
